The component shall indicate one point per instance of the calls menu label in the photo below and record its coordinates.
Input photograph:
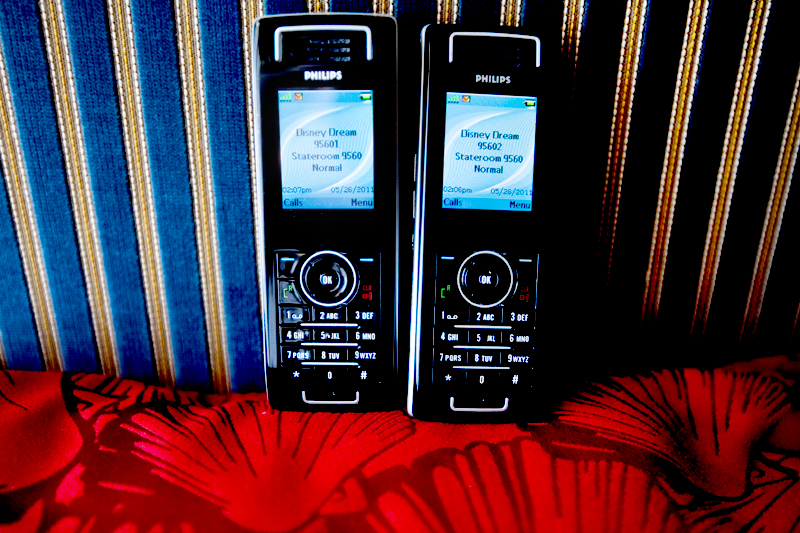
(327, 156)
(489, 152)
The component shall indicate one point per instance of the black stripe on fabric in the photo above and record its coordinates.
(351, 6)
(583, 161)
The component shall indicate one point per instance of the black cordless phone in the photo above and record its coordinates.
(478, 231)
(326, 111)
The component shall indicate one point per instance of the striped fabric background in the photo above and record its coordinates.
(126, 199)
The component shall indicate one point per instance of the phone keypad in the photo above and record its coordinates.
(329, 305)
(484, 328)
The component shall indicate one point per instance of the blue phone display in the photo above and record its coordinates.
(488, 152)
(327, 155)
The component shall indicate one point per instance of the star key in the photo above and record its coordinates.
(296, 374)
(447, 377)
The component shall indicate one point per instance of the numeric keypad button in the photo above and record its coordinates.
(493, 316)
(364, 316)
(452, 336)
(519, 359)
(294, 315)
(365, 355)
(447, 356)
(450, 314)
(331, 384)
(517, 318)
(513, 381)
(331, 335)
(332, 354)
(493, 337)
(330, 315)
(365, 336)
(450, 380)
(297, 354)
(291, 335)
(485, 336)
(482, 381)
(519, 339)
(484, 357)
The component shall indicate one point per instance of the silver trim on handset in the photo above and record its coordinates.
(477, 409)
(419, 245)
(490, 34)
(320, 27)
(329, 402)
(260, 259)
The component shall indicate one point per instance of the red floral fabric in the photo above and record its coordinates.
(671, 451)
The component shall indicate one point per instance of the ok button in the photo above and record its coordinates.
(485, 279)
(328, 279)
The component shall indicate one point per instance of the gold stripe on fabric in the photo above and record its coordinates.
(781, 183)
(79, 181)
(383, 7)
(510, 13)
(729, 164)
(126, 70)
(571, 30)
(682, 100)
(26, 228)
(202, 181)
(250, 10)
(630, 50)
(446, 11)
(318, 6)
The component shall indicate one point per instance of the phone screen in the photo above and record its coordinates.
(488, 152)
(327, 155)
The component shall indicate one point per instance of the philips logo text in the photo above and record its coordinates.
(322, 75)
(482, 78)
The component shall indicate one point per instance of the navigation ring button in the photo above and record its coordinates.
(485, 279)
(328, 279)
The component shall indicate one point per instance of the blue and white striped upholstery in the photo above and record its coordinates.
(126, 200)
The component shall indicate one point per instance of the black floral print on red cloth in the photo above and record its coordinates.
(155, 459)
(704, 423)
(269, 471)
(99, 484)
(770, 504)
(516, 486)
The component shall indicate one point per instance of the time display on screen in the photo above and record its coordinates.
(327, 155)
(489, 152)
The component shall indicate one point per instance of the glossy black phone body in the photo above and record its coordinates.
(475, 351)
(328, 274)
